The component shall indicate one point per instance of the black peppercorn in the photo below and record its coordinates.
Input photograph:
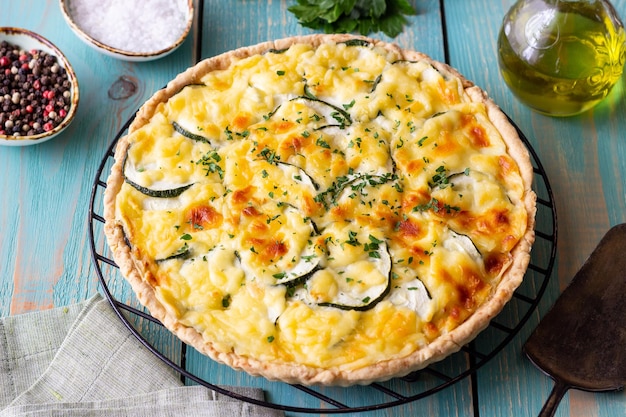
(33, 91)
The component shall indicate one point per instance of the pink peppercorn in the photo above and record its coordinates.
(24, 75)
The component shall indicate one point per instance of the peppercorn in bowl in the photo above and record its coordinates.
(38, 88)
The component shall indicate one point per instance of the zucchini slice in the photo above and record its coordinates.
(324, 115)
(164, 193)
(362, 181)
(363, 292)
(193, 136)
(330, 195)
(462, 243)
(353, 182)
(306, 266)
(192, 85)
(459, 188)
(356, 42)
(298, 175)
(308, 260)
(184, 252)
(377, 81)
(333, 116)
(413, 295)
(159, 190)
(427, 71)
(276, 51)
(468, 180)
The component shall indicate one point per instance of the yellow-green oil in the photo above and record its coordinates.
(561, 57)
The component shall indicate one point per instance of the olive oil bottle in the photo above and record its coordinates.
(561, 57)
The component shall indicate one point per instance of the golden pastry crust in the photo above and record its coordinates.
(138, 270)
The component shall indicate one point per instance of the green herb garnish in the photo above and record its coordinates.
(347, 16)
(226, 301)
(210, 161)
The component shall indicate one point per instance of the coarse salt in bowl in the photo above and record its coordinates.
(42, 96)
(131, 30)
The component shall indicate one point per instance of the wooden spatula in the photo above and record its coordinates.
(581, 342)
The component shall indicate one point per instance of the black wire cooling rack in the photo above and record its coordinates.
(328, 400)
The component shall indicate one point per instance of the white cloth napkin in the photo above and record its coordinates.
(82, 361)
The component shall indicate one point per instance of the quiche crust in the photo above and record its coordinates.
(138, 269)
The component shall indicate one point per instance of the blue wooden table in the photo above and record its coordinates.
(45, 244)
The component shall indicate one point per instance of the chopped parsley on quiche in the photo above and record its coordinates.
(322, 210)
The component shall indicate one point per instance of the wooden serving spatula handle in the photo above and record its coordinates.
(553, 401)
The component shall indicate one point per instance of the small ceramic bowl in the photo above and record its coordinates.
(26, 40)
(75, 11)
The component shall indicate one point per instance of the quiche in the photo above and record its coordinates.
(324, 209)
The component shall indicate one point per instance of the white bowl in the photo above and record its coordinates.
(68, 9)
(27, 40)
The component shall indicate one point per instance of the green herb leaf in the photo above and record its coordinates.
(346, 16)
(352, 240)
(210, 161)
(226, 301)
(269, 155)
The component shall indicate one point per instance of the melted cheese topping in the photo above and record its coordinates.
(335, 207)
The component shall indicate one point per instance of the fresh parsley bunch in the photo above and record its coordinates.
(347, 16)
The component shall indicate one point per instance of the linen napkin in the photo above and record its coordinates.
(82, 361)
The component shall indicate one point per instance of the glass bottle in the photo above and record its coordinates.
(561, 57)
